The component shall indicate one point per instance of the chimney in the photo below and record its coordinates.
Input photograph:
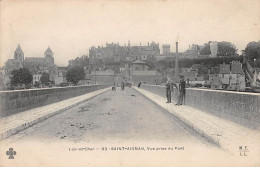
(176, 64)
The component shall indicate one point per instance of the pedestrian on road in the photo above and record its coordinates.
(122, 86)
(139, 85)
(182, 91)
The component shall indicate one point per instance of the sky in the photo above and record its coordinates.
(71, 27)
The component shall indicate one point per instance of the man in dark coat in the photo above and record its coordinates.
(169, 88)
(168, 91)
(182, 91)
(139, 85)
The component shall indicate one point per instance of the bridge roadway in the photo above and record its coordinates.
(120, 118)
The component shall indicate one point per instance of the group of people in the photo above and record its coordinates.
(181, 88)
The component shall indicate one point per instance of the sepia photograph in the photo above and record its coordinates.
(129, 83)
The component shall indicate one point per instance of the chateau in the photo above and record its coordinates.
(116, 53)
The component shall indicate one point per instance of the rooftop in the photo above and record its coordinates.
(33, 59)
(138, 62)
(19, 49)
(236, 68)
(224, 68)
(48, 51)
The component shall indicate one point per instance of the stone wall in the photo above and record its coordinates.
(15, 101)
(239, 107)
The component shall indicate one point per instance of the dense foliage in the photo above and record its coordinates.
(224, 49)
(21, 76)
(79, 62)
(252, 53)
(75, 74)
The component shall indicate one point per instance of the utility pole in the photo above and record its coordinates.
(96, 72)
(176, 64)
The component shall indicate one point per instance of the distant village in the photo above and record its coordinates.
(134, 64)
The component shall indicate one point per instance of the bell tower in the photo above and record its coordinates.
(18, 57)
(48, 56)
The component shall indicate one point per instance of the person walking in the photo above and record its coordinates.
(181, 90)
(122, 86)
(139, 85)
(168, 91)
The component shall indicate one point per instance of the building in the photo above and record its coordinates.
(232, 76)
(17, 62)
(192, 77)
(19, 57)
(166, 49)
(35, 65)
(6, 84)
(228, 77)
(37, 77)
(116, 53)
(213, 48)
(237, 77)
(60, 75)
(142, 72)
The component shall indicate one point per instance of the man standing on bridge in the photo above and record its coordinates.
(181, 90)
(169, 88)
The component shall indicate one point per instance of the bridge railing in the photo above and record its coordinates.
(15, 101)
(240, 107)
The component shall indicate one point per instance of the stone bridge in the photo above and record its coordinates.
(218, 122)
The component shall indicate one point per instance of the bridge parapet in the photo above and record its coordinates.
(239, 107)
(15, 101)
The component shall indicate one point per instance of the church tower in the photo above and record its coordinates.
(18, 57)
(48, 56)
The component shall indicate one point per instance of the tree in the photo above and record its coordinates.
(21, 76)
(226, 49)
(45, 78)
(37, 84)
(82, 61)
(75, 74)
(252, 53)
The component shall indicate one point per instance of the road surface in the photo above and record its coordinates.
(115, 118)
